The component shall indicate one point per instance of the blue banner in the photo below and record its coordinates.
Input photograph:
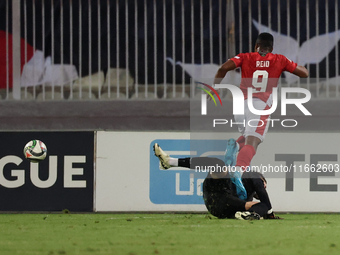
(179, 185)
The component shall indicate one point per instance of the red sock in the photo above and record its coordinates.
(245, 156)
(241, 140)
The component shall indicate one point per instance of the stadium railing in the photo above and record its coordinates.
(149, 49)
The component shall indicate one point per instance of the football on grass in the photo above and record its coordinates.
(35, 151)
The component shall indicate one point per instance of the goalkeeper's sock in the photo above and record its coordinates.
(183, 162)
(173, 161)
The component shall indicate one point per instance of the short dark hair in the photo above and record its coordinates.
(265, 40)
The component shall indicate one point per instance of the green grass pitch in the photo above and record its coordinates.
(135, 234)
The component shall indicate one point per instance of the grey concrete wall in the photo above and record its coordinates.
(128, 115)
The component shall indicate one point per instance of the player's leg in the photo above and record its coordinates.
(256, 183)
(248, 151)
(166, 162)
(254, 129)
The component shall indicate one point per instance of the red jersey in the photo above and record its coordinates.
(261, 73)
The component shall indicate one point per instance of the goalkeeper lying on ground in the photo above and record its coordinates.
(219, 192)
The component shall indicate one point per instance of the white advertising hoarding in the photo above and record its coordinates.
(128, 177)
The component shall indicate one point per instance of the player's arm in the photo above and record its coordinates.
(301, 71)
(222, 71)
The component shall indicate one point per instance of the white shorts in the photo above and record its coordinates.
(251, 124)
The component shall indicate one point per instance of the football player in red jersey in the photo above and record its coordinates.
(261, 71)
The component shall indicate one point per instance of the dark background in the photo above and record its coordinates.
(61, 8)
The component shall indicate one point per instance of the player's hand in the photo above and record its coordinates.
(249, 204)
